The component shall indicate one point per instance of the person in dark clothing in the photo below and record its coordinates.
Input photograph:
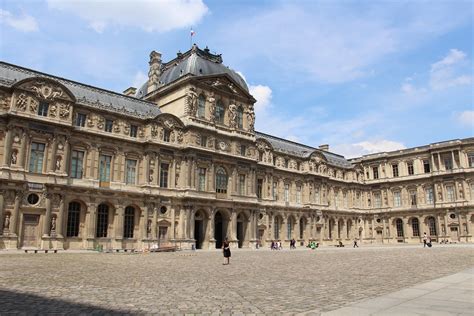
(226, 250)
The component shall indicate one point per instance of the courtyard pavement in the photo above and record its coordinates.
(388, 280)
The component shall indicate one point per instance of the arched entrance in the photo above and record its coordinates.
(220, 228)
(241, 229)
(302, 227)
(199, 228)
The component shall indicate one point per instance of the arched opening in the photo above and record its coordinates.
(349, 229)
(200, 224)
(220, 228)
(290, 227)
(102, 220)
(277, 227)
(302, 227)
(73, 219)
(241, 229)
(399, 225)
(415, 227)
(330, 228)
(240, 117)
(340, 225)
(129, 222)
(431, 221)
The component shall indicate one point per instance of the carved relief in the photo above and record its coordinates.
(251, 118)
(53, 110)
(211, 141)
(4, 100)
(64, 110)
(154, 130)
(179, 136)
(100, 122)
(21, 102)
(46, 91)
(126, 128)
(90, 121)
(232, 115)
(191, 101)
(212, 106)
(34, 105)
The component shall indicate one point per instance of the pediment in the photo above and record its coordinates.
(225, 84)
(46, 89)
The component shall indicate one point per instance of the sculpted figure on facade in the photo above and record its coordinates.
(192, 100)
(179, 136)
(90, 121)
(64, 110)
(154, 130)
(58, 163)
(100, 122)
(251, 118)
(53, 225)
(232, 115)
(34, 105)
(4, 100)
(212, 106)
(21, 102)
(53, 110)
(6, 222)
(126, 128)
(461, 191)
(14, 157)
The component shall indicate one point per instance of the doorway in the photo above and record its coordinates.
(241, 229)
(198, 233)
(454, 233)
(30, 230)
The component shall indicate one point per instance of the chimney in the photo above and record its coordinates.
(130, 91)
(324, 147)
(155, 71)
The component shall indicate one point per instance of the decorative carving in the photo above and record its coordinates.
(461, 191)
(168, 124)
(126, 128)
(4, 100)
(154, 130)
(191, 101)
(58, 163)
(116, 127)
(232, 115)
(6, 222)
(90, 121)
(212, 106)
(177, 173)
(14, 157)
(179, 136)
(64, 110)
(53, 110)
(45, 91)
(211, 141)
(21, 102)
(251, 118)
(34, 105)
(53, 225)
(100, 122)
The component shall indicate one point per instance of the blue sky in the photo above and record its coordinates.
(362, 76)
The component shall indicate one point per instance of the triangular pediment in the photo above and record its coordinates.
(225, 84)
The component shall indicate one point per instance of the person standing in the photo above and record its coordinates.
(425, 239)
(226, 250)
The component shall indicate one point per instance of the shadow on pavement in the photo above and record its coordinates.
(14, 303)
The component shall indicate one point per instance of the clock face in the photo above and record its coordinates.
(222, 145)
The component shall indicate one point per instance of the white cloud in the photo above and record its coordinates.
(139, 79)
(466, 118)
(448, 72)
(367, 147)
(263, 95)
(24, 23)
(149, 15)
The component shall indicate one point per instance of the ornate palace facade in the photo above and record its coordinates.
(178, 162)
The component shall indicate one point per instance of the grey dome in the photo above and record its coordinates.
(196, 62)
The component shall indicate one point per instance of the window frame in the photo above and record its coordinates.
(81, 119)
(109, 125)
(77, 164)
(131, 171)
(164, 175)
(43, 108)
(36, 162)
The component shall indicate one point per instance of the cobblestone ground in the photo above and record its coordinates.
(256, 282)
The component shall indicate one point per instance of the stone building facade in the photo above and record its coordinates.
(178, 162)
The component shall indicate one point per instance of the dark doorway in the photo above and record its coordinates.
(240, 233)
(198, 233)
(218, 229)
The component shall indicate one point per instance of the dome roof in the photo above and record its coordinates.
(196, 62)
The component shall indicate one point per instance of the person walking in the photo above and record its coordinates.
(226, 250)
(425, 239)
(355, 243)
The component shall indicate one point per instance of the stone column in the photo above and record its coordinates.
(47, 217)
(154, 230)
(173, 215)
(8, 147)
(144, 224)
(285, 228)
(118, 222)
(67, 152)
(446, 224)
(233, 225)
(22, 153)
(405, 228)
(91, 220)
(455, 164)
(52, 161)
(384, 229)
(2, 210)
(61, 220)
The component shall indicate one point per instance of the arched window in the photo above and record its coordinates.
(129, 222)
(240, 117)
(290, 228)
(302, 227)
(276, 227)
(331, 226)
(415, 226)
(432, 226)
(221, 180)
(102, 220)
(399, 224)
(220, 112)
(201, 106)
(73, 219)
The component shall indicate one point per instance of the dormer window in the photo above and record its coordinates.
(133, 130)
(166, 136)
(43, 108)
(240, 117)
(108, 125)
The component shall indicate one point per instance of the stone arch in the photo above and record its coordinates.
(414, 224)
(222, 222)
(242, 229)
(200, 227)
(331, 225)
(277, 226)
(398, 223)
(75, 220)
(105, 219)
(303, 226)
(290, 227)
(431, 222)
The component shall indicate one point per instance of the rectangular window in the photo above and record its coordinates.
(448, 163)
(77, 161)
(242, 184)
(202, 179)
(375, 171)
(395, 170)
(36, 157)
(43, 108)
(131, 172)
(274, 191)
(426, 166)
(298, 194)
(345, 200)
(429, 195)
(411, 171)
(133, 131)
(287, 193)
(317, 198)
(470, 159)
(166, 136)
(105, 162)
(397, 200)
(203, 141)
(450, 193)
(377, 200)
(81, 119)
(109, 125)
(259, 188)
(413, 198)
(164, 167)
(243, 149)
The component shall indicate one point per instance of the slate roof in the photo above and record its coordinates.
(288, 147)
(196, 62)
(85, 94)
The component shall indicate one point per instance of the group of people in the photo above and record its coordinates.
(426, 241)
(313, 245)
(276, 245)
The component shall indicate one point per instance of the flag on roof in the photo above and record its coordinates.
(192, 32)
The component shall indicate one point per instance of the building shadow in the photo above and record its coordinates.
(15, 303)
